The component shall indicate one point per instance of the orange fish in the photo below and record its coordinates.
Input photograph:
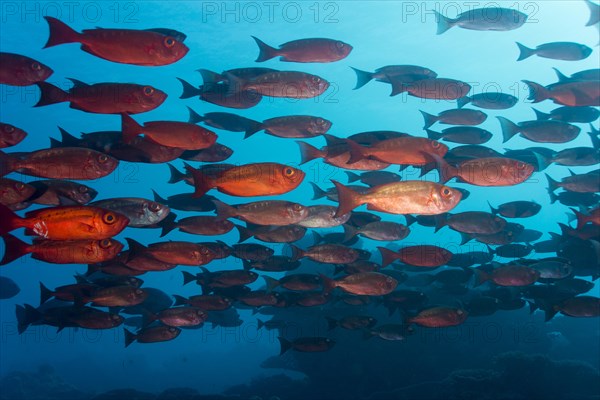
(181, 135)
(82, 251)
(408, 197)
(407, 150)
(258, 179)
(126, 46)
(65, 222)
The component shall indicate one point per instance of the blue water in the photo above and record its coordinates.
(219, 37)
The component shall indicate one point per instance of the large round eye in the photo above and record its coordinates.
(316, 79)
(289, 172)
(19, 186)
(102, 158)
(154, 207)
(320, 121)
(9, 128)
(204, 251)
(446, 192)
(172, 330)
(109, 218)
(139, 292)
(105, 243)
(169, 41)
(521, 165)
(297, 207)
(435, 144)
(340, 45)
(459, 312)
(83, 189)
(36, 66)
(148, 90)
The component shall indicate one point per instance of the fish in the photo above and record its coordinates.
(338, 158)
(483, 19)
(584, 183)
(140, 212)
(329, 253)
(392, 332)
(539, 131)
(488, 171)
(174, 252)
(126, 46)
(362, 283)
(220, 94)
(154, 334)
(569, 114)
(252, 251)
(439, 317)
(577, 93)
(323, 217)
(271, 234)
(314, 50)
(73, 251)
(292, 126)
(295, 282)
(489, 100)
(592, 215)
(65, 222)
(273, 264)
(181, 135)
(578, 307)
(8, 288)
(216, 153)
(269, 212)
(517, 209)
(281, 84)
(74, 163)
(103, 98)
(10, 135)
(401, 151)
(482, 306)
(406, 197)
(14, 192)
(351, 322)
(460, 116)
(509, 275)
(220, 279)
(306, 344)
(567, 51)
(378, 230)
(205, 302)
(60, 192)
(512, 250)
(250, 180)
(374, 178)
(577, 157)
(20, 70)
(474, 222)
(200, 225)
(432, 88)
(406, 73)
(461, 134)
(179, 317)
(427, 256)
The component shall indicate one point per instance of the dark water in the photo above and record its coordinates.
(510, 354)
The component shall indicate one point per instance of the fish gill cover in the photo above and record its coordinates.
(197, 197)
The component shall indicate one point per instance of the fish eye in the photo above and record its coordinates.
(115, 317)
(139, 292)
(105, 243)
(316, 79)
(204, 251)
(172, 330)
(169, 42)
(297, 207)
(9, 129)
(154, 206)
(19, 186)
(435, 144)
(459, 312)
(83, 189)
(103, 158)
(148, 90)
(288, 171)
(320, 121)
(340, 45)
(446, 192)
(521, 165)
(36, 66)
(109, 218)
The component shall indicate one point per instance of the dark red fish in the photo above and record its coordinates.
(285, 84)
(316, 50)
(419, 256)
(433, 88)
(152, 335)
(103, 98)
(306, 344)
(10, 135)
(127, 46)
(18, 70)
(439, 317)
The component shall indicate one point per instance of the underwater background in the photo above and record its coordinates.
(510, 354)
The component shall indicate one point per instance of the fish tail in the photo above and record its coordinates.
(176, 175)
(244, 233)
(362, 78)
(266, 52)
(560, 76)
(348, 199)
(45, 293)
(188, 277)
(202, 183)
(465, 238)
(410, 219)
(26, 315)
(308, 152)
(537, 92)
(552, 184)
(256, 127)
(158, 198)
(180, 300)
(553, 196)
(297, 252)
(148, 317)
(357, 152)
(331, 323)
(582, 219)
(440, 221)
(60, 33)
(509, 129)
(525, 52)
(14, 249)
(168, 224)
(541, 116)
(66, 139)
(461, 102)
(398, 85)
(224, 211)
(135, 249)
(445, 170)
(429, 119)
(352, 177)
(481, 277)
(235, 84)
(194, 116)
(50, 94)
(425, 169)
(129, 337)
(129, 128)
(328, 284)
(433, 135)
(443, 23)
(318, 193)
(492, 209)
(284, 344)
(549, 313)
(317, 238)
(210, 77)
(349, 232)
(8, 163)
(9, 221)
(387, 256)
(271, 283)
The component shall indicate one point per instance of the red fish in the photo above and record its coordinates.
(362, 283)
(316, 50)
(10, 135)
(103, 98)
(440, 317)
(285, 84)
(18, 70)
(152, 335)
(126, 46)
(432, 88)
(419, 256)
(489, 171)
